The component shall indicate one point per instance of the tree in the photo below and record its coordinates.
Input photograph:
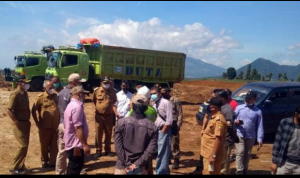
(257, 77)
(241, 76)
(285, 78)
(254, 73)
(270, 76)
(279, 76)
(298, 79)
(224, 76)
(248, 73)
(231, 73)
(263, 78)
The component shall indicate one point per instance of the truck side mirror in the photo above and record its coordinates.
(268, 103)
(15, 57)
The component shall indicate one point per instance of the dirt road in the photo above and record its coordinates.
(190, 93)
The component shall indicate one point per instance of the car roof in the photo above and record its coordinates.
(275, 84)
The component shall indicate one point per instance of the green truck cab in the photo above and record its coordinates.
(135, 65)
(33, 66)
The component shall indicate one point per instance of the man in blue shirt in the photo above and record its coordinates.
(249, 123)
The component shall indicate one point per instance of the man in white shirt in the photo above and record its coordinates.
(123, 101)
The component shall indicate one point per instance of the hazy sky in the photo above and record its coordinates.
(221, 33)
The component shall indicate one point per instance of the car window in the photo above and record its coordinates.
(32, 62)
(69, 60)
(279, 98)
(294, 98)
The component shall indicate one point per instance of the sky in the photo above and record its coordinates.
(226, 34)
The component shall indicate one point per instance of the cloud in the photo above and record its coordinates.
(81, 21)
(22, 7)
(289, 62)
(246, 62)
(294, 47)
(195, 39)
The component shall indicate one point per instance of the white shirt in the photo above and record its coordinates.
(123, 103)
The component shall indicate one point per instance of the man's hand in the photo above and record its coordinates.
(130, 168)
(17, 123)
(212, 160)
(86, 150)
(239, 122)
(274, 168)
(260, 144)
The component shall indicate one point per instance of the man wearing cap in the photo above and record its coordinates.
(76, 132)
(135, 140)
(123, 100)
(229, 115)
(178, 119)
(249, 121)
(213, 140)
(286, 156)
(64, 98)
(19, 112)
(163, 123)
(104, 99)
(47, 122)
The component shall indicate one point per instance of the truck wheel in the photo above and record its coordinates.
(36, 85)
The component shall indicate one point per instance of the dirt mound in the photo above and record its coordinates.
(4, 85)
(199, 91)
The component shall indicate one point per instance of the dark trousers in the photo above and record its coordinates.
(75, 162)
(200, 165)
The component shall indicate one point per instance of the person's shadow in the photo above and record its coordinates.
(41, 170)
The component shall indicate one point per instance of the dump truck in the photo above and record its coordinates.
(32, 65)
(134, 65)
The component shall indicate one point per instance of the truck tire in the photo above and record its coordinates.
(36, 85)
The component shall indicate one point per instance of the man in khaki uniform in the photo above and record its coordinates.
(19, 112)
(178, 119)
(104, 99)
(213, 140)
(48, 122)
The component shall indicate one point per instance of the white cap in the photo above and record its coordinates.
(144, 91)
(74, 77)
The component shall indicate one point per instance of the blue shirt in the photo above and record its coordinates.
(253, 122)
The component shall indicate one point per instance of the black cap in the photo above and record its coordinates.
(223, 94)
(251, 94)
(215, 101)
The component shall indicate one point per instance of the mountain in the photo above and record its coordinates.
(195, 68)
(264, 67)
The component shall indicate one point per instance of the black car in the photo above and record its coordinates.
(277, 100)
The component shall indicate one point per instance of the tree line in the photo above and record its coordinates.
(254, 75)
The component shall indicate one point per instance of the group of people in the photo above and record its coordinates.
(144, 125)
(142, 121)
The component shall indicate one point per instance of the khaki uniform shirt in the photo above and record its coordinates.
(215, 128)
(19, 104)
(104, 100)
(47, 106)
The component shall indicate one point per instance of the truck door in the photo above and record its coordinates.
(69, 64)
(32, 68)
(275, 111)
(293, 101)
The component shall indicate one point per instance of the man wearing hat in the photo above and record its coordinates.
(249, 121)
(286, 157)
(135, 140)
(178, 119)
(64, 98)
(76, 131)
(213, 139)
(104, 99)
(19, 112)
(47, 122)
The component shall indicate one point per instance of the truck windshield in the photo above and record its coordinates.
(53, 59)
(20, 62)
(240, 94)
